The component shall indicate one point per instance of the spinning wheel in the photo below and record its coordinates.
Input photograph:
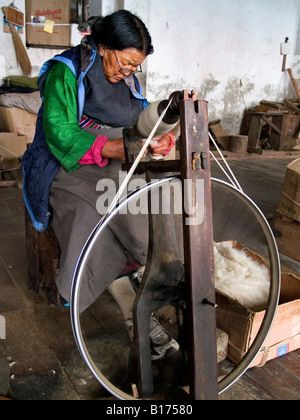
(223, 213)
(223, 194)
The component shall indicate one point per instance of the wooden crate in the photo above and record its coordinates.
(289, 125)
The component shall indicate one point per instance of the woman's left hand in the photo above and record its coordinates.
(163, 144)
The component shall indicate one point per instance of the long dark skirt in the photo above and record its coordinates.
(73, 199)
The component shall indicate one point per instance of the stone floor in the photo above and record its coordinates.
(39, 345)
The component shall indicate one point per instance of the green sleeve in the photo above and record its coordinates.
(64, 137)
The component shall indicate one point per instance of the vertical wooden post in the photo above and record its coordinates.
(198, 249)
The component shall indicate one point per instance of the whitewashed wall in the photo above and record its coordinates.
(228, 50)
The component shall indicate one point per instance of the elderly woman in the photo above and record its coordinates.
(90, 93)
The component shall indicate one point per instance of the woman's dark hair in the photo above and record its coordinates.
(122, 30)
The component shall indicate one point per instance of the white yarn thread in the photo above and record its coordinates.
(147, 119)
(135, 163)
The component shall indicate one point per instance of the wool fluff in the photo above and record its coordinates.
(240, 277)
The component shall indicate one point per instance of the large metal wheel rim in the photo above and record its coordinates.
(75, 291)
(275, 283)
(268, 319)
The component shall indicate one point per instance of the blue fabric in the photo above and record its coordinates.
(38, 164)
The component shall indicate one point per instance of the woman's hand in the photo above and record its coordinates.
(114, 149)
(163, 145)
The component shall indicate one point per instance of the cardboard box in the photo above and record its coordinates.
(288, 241)
(242, 324)
(48, 22)
(289, 204)
(17, 120)
(12, 145)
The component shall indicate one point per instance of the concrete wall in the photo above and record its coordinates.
(228, 50)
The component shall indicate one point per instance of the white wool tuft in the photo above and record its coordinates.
(240, 277)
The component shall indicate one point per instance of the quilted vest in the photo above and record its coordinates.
(117, 105)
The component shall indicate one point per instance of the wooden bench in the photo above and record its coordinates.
(42, 254)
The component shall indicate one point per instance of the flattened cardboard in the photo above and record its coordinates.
(14, 16)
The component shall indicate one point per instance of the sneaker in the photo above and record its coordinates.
(161, 342)
(129, 328)
(137, 275)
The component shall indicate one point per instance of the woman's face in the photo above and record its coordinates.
(119, 64)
